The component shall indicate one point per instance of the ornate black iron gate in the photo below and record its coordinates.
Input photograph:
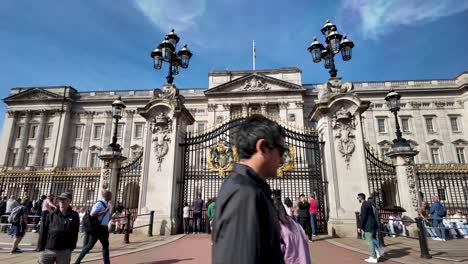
(128, 188)
(208, 158)
(382, 181)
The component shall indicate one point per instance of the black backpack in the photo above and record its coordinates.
(90, 223)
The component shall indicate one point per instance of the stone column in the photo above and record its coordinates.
(112, 161)
(38, 149)
(211, 115)
(24, 140)
(127, 138)
(339, 124)
(63, 136)
(8, 136)
(163, 167)
(408, 188)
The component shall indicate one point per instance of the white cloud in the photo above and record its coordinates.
(168, 14)
(378, 17)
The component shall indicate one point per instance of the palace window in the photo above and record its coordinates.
(200, 127)
(48, 131)
(44, 159)
(77, 131)
(430, 124)
(381, 125)
(454, 124)
(405, 124)
(461, 155)
(33, 131)
(75, 160)
(435, 155)
(97, 133)
(138, 132)
(94, 160)
(19, 131)
(120, 128)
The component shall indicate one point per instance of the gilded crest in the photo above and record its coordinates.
(221, 158)
(289, 159)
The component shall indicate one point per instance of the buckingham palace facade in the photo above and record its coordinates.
(60, 126)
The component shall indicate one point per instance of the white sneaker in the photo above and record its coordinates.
(377, 253)
(393, 236)
(434, 238)
(371, 260)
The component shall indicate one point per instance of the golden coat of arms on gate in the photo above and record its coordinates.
(289, 159)
(221, 157)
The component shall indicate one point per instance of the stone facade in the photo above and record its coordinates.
(62, 127)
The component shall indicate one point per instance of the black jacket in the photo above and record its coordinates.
(60, 231)
(304, 209)
(367, 218)
(246, 228)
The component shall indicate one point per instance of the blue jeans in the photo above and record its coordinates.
(430, 230)
(391, 228)
(102, 234)
(313, 223)
(439, 228)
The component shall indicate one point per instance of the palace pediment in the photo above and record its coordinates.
(33, 94)
(255, 83)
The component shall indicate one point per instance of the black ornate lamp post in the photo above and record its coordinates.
(335, 43)
(117, 109)
(166, 51)
(393, 103)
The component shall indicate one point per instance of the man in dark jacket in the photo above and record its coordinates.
(368, 226)
(304, 216)
(197, 207)
(246, 228)
(59, 233)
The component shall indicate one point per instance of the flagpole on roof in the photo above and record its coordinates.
(254, 54)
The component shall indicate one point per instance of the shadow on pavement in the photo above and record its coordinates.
(397, 253)
(167, 261)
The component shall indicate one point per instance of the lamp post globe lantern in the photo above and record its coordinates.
(393, 103)
(166, 52)
(117, 110)
(335, 43)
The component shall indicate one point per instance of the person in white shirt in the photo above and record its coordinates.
(460, 222)
(11, 204)
(288, 204)
(450, 225)
(395, 221)
(186, 215)
(81, 214)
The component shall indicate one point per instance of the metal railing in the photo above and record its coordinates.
(129, 226)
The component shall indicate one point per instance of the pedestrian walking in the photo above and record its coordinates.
(368, 226)
(438, 212)
(207, 220)
(197, 207)
(294, 246)
(47, 206)
(379, 249)
(18, 218)
(97, 224)
(246, 227)
(38, 205)
(304, 216)
(423, 213)
(313, 213)
(186, 216)
(59, 233)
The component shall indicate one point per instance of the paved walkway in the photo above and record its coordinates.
(196, 249)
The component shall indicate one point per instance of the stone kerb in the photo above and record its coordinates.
(338, 118)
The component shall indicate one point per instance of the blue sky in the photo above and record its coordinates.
(105, 45)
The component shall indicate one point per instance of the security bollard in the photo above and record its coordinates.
(127, 230)
(150, 226)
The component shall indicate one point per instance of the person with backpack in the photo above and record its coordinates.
(438, 212)
(18, 219)
(95, 223)
(59, 233)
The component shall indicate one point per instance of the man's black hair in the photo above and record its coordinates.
(362, 196)
(253, 129)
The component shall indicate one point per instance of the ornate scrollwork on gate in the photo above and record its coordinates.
(221, 158)
(289, 159)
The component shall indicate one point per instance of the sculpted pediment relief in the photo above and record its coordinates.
(33, 94)
(254, 83)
